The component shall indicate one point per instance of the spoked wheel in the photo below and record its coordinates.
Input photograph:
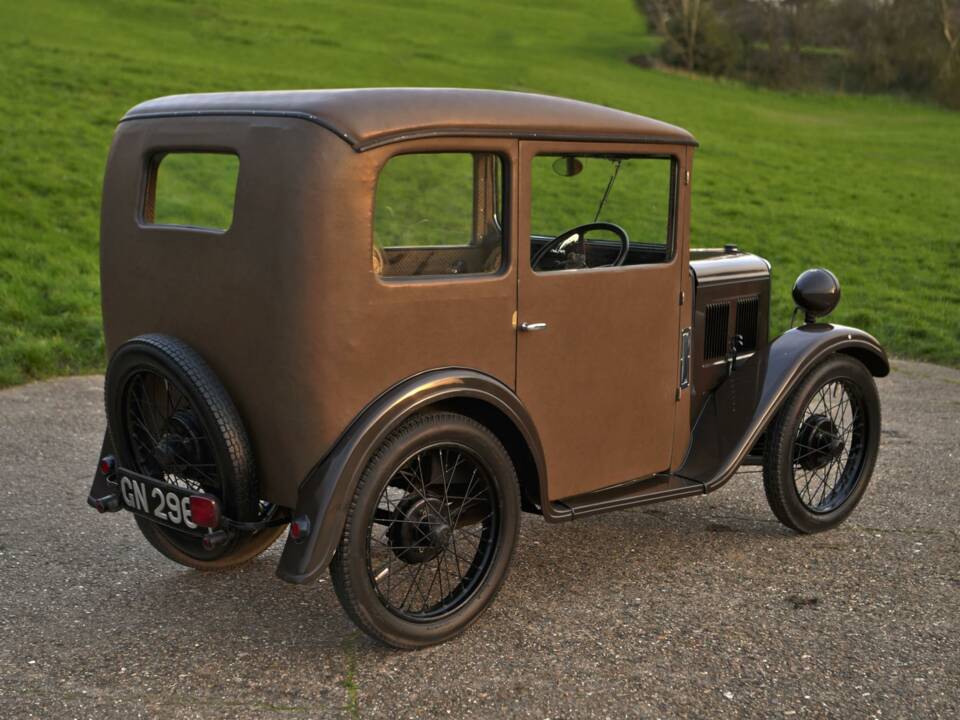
(822, 447)
(172, 420)
(430, 531)
(164, 434)
(828, 449)
(431, 539)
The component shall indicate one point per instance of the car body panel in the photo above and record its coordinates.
(586, 378)
(323, 357)
(298, 327)
(721, 438)
(737, 413)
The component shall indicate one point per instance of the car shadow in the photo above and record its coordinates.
(647, 545)
(253, 603)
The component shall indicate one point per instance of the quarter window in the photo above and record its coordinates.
(439, 214)
(601, 211)
(192, 189)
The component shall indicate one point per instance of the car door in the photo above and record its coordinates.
(598, 347)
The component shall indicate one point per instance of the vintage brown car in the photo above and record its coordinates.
(391, 319)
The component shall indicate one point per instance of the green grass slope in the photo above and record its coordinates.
(867, 186)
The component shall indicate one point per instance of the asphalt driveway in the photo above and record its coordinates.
(702, 607)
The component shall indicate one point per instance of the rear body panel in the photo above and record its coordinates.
(284, 305)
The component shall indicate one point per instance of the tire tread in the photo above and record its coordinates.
(239, 480)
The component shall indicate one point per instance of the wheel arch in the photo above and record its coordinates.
(873, 358)
(324, 495)
(512, 438)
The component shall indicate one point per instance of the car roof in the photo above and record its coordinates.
(371, 117)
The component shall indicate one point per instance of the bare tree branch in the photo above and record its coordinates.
(948, 15)
(678, 21)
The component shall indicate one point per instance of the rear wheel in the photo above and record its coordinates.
(171, 419)
(822, 446)
(429, 533)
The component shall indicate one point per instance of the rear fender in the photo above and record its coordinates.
(324, 496)
(736, 414)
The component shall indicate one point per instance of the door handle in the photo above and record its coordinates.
(532, 327)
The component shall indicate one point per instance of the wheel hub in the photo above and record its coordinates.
(419, 531)
(179, 446)
(819, 442)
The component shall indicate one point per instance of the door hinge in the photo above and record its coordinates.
(687, 178)
(683, 297)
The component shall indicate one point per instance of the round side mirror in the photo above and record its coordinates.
(817, 293)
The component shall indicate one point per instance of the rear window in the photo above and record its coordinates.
(192, 190)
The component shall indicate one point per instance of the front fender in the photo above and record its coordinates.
(736, 414)
(324, 496)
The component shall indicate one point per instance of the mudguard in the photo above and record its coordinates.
(740, 409)
(324, 496)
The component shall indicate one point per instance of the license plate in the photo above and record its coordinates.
(161, 502)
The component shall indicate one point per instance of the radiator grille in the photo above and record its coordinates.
(747, 311)
(715, 331)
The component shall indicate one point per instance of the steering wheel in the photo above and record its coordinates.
(581, 231)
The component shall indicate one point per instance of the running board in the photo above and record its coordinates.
(637, 492)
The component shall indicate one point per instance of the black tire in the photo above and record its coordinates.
(822, 446)
(166, 364)
(362, 594)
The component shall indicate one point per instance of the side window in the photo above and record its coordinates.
(601, 211)
(438, 214)
(192, 189)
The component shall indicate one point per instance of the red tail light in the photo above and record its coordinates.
(205, 511)
(299, 528)
(107, 465)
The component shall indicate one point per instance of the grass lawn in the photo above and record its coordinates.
(869, 187)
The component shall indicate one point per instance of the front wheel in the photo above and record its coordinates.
(429, 533)
(822, 446)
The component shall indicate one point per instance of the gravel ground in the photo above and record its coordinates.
(702, 607)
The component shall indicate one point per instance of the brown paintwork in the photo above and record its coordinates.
(681, 421)
(369, 117)
(585, 379)
(285, 305)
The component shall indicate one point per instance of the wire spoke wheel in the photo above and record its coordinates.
(166, 435)
(828, 446)
(431, 539)
(820, 450)
(430, 531)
